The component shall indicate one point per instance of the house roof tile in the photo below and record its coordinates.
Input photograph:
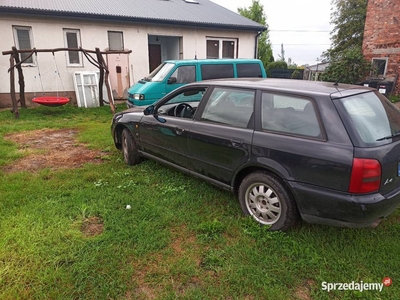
(203, 13)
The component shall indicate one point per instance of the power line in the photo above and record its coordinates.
(299, 30)
(300, 44)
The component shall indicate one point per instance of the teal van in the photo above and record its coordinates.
(172, 74)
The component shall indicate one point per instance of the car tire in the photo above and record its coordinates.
(268, 201)
(129, 150)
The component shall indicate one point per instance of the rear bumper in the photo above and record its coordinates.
(322, 206)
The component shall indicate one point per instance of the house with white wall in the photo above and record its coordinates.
(153, 30)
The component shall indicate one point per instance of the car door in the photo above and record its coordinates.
(181, 76)
(220, 139)
(163, 135)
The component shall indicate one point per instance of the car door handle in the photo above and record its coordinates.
(236, 142)
(179, 131)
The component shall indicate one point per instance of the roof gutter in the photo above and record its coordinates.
(125, 19)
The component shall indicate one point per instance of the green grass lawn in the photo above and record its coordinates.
(181, 239)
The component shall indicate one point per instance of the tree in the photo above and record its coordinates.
(282, 55)
(351, 68)
(256, 13)
(347, 63)
(348, 31)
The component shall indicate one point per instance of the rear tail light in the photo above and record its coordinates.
(365, 176)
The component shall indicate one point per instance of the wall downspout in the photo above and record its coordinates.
(256, 43)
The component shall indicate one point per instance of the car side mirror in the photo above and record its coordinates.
(149, 110)
(172, 80)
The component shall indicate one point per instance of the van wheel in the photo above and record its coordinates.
(131, 154)
(267, 200)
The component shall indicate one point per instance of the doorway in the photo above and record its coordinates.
(154, 56)
(163, 48)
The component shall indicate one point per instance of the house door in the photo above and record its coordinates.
(118, 65)
(154, 56)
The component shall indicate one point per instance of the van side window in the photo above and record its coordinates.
(289, 114)
(185, 74)
(217, 71)
(248, 70)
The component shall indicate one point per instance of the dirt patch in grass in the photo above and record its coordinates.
(304, 292)
(52, 149)
(92, 226)
(183, 247)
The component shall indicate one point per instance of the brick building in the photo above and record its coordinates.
(381, 42)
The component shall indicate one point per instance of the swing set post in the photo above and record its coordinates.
(101, 79)
(12, 89)
(21, 80)
(104, 73)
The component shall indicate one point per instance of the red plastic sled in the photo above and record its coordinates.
(51, 100)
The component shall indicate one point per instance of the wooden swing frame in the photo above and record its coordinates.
(99, 62)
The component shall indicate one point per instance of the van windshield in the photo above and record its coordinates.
(159, 73)
(371, 118)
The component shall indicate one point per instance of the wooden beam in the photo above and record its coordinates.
(67, 49)
(21, 80)
(101, 79)
(12, 89)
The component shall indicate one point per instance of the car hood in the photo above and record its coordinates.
(135, 109)
(131, 114)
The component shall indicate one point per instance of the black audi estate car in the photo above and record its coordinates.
(288, 149)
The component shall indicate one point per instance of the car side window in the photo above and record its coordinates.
(185, 74)
(228, 106)
(183, 104)
(289, 114)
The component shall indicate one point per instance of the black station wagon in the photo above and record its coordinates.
(328, 153)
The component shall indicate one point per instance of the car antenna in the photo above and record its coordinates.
(337, 82)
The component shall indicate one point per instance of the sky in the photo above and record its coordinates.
(302, 26)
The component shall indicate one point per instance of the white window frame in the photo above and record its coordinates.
(386, 65)
(16, 41)
(78, 37)
(221, 43)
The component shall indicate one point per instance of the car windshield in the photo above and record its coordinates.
(372, 118)
(159, 73)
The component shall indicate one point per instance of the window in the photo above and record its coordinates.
(115, 41)
(183, 104)
(248, 70)
(185, 74)
(23, 41)
(228, 49)
(221, 48)
(217, 71)
(289, 114)
(379, 66)
(72, 40)
(372, 119)
(230, 107)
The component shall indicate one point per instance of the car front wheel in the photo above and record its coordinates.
(131, 154)
(267, 200)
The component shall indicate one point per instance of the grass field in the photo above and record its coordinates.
(67, 234)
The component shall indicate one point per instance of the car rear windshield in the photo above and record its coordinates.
(370, 118)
